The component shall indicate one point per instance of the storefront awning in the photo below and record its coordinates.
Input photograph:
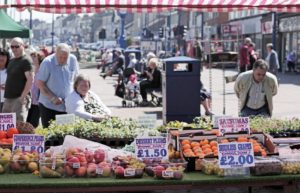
(93, 6)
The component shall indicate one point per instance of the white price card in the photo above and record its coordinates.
(65, 119)
(151, 147)
(234, 125)
(236, 155)
(29, 143)
(147, 121)
(7, 120)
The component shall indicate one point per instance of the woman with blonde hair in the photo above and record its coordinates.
(84, 103)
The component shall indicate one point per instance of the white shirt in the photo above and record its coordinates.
(75, 105)
(3, 76)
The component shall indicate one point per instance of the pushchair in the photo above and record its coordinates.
(130, 92)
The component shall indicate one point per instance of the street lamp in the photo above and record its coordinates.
(122, 41)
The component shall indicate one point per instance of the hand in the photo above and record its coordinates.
(2, 87)
(58, 101)
(22, 100)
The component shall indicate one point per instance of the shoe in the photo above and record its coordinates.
(144, 103)
(103, 76)
(208, 113)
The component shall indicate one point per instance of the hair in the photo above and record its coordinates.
(270, 45)
(18, 40)
(4, 52)
(132, 55)
(154, 61)
(40, 55)
(150, 55)
(63, 47)
(80, 78)
(247, 40)
(262, 64)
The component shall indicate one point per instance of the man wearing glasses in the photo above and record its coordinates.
(19, 81)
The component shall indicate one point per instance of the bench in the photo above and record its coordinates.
(156, 96)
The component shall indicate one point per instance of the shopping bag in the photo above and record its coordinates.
(120, 90)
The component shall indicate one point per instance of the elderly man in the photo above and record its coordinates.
(19, 81)
(255, 90)
(55, 81)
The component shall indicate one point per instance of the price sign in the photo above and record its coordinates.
(236, 155)
(216, 120)
(234, 125)
(7, 120)
(65, 119)
(29, 142)
(147, 121)
(151, 147)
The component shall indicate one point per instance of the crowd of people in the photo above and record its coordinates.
(39, 85)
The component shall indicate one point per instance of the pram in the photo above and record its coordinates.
(131, 94)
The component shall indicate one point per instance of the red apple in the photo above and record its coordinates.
(69, 171)
(119, 171)
(89, 155)
(72, 151)
(73, 162)
(99, 155)
(80, 172)
(91, 170)
(158, 171)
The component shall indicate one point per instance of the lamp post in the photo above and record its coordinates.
(122, 41)
(52, 33)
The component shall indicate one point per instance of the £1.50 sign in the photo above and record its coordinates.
(151, 147)
(29, 143)
(234, 155)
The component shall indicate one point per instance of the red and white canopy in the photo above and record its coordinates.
(94, 6)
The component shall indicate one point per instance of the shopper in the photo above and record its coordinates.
(117, 66)
(55, 81)
(34, 112)
(252, 56)
(152, 79)
(255, 90)
(205, 98)
(291, 61)
(84, 103)
(244, 55)
(4, 59)
(19, 82)
(272, 59)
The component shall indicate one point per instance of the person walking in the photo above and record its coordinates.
(291, 61)
(255, 90)
(4, 59)
(272, 59)
(252, 56)
(55, 81)
(244, 55)
(19, 82)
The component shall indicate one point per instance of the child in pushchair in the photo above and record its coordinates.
(132, 92)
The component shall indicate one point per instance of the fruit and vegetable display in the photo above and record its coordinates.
(128, 167)
(266, 166)
(291, 166)
(5, 155)
(52, 166)
(111, 128)
(24, 162)
(6, 137)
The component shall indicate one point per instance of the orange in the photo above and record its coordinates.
(224, 141)
(263, 153)
(186, 146)
(213, 143)
(185, 141)
(204, 142)
(242, 139)
(214, 148)
(3, 135)
(205, 146)
(257, 148)
(207, 151)
(11, 131)
(194, 144)
(196, 148)
(187, 150)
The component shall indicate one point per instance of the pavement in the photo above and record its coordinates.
(286, 105)
(286, 102)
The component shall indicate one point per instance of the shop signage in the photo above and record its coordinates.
(65, 119)
(267, 27)
(7, 120)
(147, 121)
(236, 155)
(151, 147)
(289, 24)
(234, 125)
(29, 142)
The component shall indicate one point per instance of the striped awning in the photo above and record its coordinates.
(94, 6)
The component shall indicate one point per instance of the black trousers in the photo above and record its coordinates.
(144, 85)
(34, 115)
(48, 115)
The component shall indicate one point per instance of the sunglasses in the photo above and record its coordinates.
(12, 47)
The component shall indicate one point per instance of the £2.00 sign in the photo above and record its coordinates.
(7, 120)
(234, 155)
(29, 142)
(151, 147)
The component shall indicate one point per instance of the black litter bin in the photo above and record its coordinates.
(180, 89)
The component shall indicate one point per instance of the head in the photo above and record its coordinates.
(118, 52)
(37, 57)
(150, 55)
(260, 69)
(62, 53)
(269, 47)
(132, 77)
(82, 84)
(4, 58)
(17, 47)
(153, 63)
(251, 46)
(131, 56)
(247, 41)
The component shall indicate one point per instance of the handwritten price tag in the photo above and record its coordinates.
(65, 119)
(147, 121)
(29, 142)
(236, 155)
(234, 125)
(151, 147)
(7, 120)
